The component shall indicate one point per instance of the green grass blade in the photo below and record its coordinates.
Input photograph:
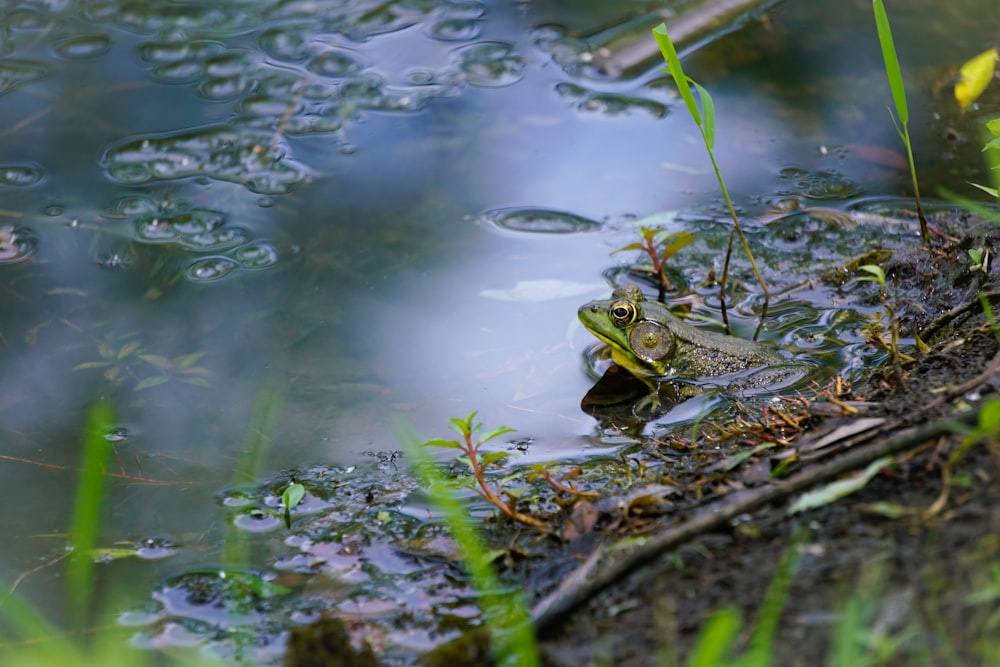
(674, 67)
(716, 640)
(892, 70)
(708, 112)
(88, 510)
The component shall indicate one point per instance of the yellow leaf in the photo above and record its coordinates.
(974, 76)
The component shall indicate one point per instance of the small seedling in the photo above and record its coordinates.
(290, 499)
(704, 118)
(877, 275)
(660, 246)
(895, 77)
(480, 462)
(980, 259)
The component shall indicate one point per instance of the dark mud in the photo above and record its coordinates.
(911, 555)
(917, 571)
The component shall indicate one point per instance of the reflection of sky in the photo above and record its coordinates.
(377, 309)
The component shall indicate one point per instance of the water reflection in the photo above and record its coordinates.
(294, 196)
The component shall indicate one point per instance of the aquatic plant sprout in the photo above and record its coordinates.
(895, 77)
(704, 118)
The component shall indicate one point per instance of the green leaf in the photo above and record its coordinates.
(493, 457)
(994, 127)
(128, 349)
(495, 432)
(987, 190)
(188, 360)
(708, 112)
(630, 246)
(892, 70)
(151, 382)
(292, 496)
(877, 274)
(674, 68)
(674, 242)
(449, 444)
(156, 360)
(464, 426)
(839, 489)
(91, 364)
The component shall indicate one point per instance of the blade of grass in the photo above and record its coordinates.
(88, 510)
(892, 71)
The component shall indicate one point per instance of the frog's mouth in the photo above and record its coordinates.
(623, 356)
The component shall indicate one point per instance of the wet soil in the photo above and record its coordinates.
(908, 559)
(916, 544)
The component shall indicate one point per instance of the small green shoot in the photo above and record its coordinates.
(895, 77)
(290, 499)
(89, 506)
(980, 259)
(506, 613)
(704, 118)
(877, 275)
(669, 243)
(479, 463)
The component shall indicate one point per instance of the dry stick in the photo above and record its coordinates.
(580, 586)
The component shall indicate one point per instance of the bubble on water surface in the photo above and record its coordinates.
(257, 521)
(454, 29)
(83, 46)
(489, 64)
(218, 239)
(286, 42)
(334, 63)
(538, 220)
(211, 268)
(53, 210)
(609, 104)
(824, 184)
(166, 52)
(16, 244)
(117, 434)
(185, 71)
(256, 255)
(155, 548)
(14, 72)
(19, 175)
(237, 155)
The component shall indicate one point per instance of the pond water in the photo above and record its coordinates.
(351, 213)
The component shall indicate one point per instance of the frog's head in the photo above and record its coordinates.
(637, 330)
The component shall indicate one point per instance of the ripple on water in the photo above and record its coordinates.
(538, 221)
(489, 64)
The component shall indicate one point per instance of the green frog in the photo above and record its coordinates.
(653, 344)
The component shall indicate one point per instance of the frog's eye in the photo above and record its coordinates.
(651, 341)
(622, 313)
